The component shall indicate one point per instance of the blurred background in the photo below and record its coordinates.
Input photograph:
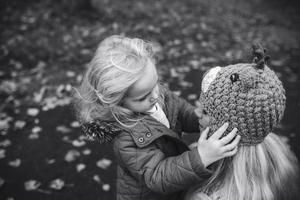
(46, 45)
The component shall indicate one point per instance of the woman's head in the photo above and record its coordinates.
(249, 98)
(118, 64)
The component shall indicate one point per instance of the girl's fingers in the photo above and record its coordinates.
(204, 134)
(233, 144)
(229, 137)
(220, 131)
(193, 145)
(198, 112)
(198, 104)
(231, 153)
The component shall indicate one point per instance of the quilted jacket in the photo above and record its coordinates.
(153, 161)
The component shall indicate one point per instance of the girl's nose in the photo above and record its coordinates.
(153, 100)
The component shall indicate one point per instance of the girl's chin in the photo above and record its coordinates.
(151, 109)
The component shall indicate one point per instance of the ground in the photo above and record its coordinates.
(45, 46)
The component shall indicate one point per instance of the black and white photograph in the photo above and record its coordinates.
(149, 100)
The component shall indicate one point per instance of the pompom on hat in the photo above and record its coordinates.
(247, 95)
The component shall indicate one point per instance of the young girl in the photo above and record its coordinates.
(250, 97)
(120, 100)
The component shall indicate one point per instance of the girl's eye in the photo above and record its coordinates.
(143, 98)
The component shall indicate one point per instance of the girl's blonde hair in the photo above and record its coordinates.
(117, 64)
(267, 171)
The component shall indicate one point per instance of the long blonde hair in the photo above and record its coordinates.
(267, 171)
(117, 64)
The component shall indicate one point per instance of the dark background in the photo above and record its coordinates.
(45, 46)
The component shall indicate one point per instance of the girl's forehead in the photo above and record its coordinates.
(145, 83)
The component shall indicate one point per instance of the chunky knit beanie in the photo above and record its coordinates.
(248, 96)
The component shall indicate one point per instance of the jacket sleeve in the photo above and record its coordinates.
(186, 113)
(160, 173)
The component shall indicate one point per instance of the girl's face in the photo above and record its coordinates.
(143, 94)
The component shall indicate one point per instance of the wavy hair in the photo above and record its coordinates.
(267, 171)
(117, 64)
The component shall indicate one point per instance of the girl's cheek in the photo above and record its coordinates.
(156, 92)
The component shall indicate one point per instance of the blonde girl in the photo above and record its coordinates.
(250, 97)
(121, 101)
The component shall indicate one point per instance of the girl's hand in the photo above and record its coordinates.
(214, 148)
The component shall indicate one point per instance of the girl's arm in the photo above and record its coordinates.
(160, 173)
(186, 113)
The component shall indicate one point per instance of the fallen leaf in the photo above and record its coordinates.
(2, 181)
(59, 90)
(106, 187)
(4, 123)
(15, 163)
(31, 185)
(79, 78)
(2, 153)
(39, 67)
(3, 132)
(19, 124)
(57, 184)
(82, 137)
(50, 161)
(33, 136)
(85, 51)
(8, 87)
(33, 112)
(35, 133)
(97, 178)
(104, 163)
(72, 155)
(70, 74)
(63, 129)
(173, 73)
(80, 167)
(52, 102)
(75, 124)
(77, 143)
(183, 69)
(38, 96)
(66, 138)
(86, 152)
(5, 143)
(36, 129)
(185, 84)
(68, 87)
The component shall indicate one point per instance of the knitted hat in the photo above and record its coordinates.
(248, 96)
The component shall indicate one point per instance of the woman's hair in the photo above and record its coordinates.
(251, 98)
(117, 64)
(265, 171)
